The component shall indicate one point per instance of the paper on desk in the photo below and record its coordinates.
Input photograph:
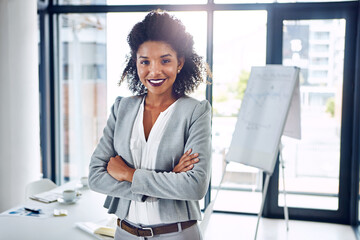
(20, 211)
(103, 230)
(46, 197)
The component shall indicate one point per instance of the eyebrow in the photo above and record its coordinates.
(166, 55)
(162, 56)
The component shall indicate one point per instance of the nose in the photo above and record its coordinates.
(155, 69)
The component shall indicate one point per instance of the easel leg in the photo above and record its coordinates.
(209, 210)
(262, 202)
(286, 212)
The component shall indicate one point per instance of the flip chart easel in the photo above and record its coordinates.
(264, 112)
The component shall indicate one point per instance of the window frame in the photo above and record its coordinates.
(348, 152)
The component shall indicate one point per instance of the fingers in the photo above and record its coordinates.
(190, 159)
(186, 154)
(186, 162)
(189, 163)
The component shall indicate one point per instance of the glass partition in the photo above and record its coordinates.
(82, 89)
(236, 50)
(312, 164)
(129, 2)
(274, 1)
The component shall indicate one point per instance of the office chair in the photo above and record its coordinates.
(39, 186)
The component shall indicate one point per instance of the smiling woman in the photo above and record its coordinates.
(162, 27)
(153, 160)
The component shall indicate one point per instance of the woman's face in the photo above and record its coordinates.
(157, 66)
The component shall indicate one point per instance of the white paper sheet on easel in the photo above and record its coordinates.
(262, 116)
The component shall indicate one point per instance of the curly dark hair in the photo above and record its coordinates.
(158, 25)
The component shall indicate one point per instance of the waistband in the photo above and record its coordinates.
(150, 232)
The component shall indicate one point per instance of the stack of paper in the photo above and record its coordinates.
(46, 197)
(99, 231)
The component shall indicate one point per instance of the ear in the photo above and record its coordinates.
(181, 62)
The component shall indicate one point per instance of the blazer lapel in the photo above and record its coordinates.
(129, 109)
(168, 140)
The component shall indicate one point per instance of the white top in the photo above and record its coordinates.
(144, 155)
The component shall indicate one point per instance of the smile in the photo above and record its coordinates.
(156, 82)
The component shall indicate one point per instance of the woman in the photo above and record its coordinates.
(153, 160)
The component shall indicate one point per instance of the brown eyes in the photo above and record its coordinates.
(147, 62)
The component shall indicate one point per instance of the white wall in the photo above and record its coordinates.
(19, 100)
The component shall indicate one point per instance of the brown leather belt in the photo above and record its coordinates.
(150, 232)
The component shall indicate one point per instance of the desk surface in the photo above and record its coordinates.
(89, 207)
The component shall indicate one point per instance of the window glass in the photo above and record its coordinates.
(196, 25)
(118, 50)
(243, 1)
(129, 2)
(235, 52)
(312, 164)
(275, 1)
(82, 90)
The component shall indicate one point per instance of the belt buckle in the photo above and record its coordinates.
(151, 231)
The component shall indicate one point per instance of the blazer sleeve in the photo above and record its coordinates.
(190, 185)
(99, 179)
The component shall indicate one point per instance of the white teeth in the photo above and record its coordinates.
(156, 81)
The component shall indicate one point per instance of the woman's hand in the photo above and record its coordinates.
(118, 169)
(186, 162)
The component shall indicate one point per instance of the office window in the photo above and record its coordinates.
(93, 51)
(273, 1)
(320, 35)
(129, 2)
(236, 50)
(319, 48)
(312, 164)
(243, 1)
(82, 90)
(319, 61)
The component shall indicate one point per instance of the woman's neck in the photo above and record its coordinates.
(158, 101)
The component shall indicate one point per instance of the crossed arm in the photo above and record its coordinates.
(119, 170)
(188, 180)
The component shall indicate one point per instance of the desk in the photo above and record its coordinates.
(89, 207)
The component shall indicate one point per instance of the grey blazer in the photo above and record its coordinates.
(178, 193)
